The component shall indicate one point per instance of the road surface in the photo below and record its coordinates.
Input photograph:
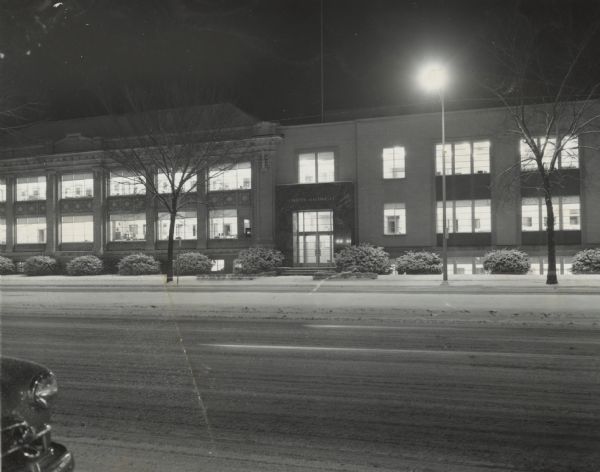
(317, 381)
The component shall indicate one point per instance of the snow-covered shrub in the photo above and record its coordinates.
(85, 265)
(363, 258)
(506, 261)
(419, 262)
(40, 265)
(586, 262)
(138, 264)
(255, 260)
(192, 263)
(6, 266)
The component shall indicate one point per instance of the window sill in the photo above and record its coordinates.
(392, 235)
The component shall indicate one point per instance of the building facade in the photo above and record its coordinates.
(308, 190)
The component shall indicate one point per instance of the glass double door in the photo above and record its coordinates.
(313, 237)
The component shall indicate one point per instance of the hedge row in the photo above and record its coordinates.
(250, 261)
(363, 258)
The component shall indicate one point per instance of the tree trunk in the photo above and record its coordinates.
(173, 215)
(551, 278)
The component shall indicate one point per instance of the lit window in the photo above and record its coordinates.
(530, 214)
(165, 183)
(126, 183)
(567, 159)
(394, 218)
(393, 162)
(481, 157)
(463, 220)
(31, 230)
(570, 213)
(77, 228)
(2, 231)
(447, 158)
(236, 177)
(31, 188)
(449, 217)
(128, 227)
(2, 190)
(77, 185)
(218, 265)
(247, 228)
(185, 225)
(464, 158)
(316, 167)
(465, 216)
(566, 214)
(223, 224)
(462, 266)
(482, 221)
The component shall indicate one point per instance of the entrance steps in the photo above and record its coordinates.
(305, 270)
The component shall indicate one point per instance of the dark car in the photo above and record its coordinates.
(28, 390)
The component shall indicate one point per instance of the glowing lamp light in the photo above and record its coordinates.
(433, 77)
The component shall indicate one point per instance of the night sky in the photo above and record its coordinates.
(263, 55)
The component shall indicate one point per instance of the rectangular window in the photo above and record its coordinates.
(77, 185)
(31, 230)
(77, 229)
(218, 265)
(569, 156)
(394, 218)
(228, 177)
(481, 157)
(463, 218)
(449, 217)
(393, 162)
(482, 216)
(567, 159)
(31, 188)
(530, 214)
(185, 225)
(2, 231)
(566, 214)
(2, 190)
(466, 216)
(570, 213)
(462, 158)
(223, 224)
(167, 183)
(128, 227)
(468, 157)
(123, 182)
(316, 167)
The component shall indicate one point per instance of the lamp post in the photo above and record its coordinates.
(433, 78)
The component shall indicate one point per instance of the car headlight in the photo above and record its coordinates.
(43, 388)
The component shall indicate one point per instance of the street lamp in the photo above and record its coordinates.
(433, 78)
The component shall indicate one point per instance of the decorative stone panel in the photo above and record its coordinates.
(234, 198)
(76, 205)
(30, 208)
(129, 204)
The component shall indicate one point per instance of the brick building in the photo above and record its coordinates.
(307, 190)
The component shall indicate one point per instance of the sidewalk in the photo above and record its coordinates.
(405, 283)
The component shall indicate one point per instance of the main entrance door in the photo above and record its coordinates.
(313, 237)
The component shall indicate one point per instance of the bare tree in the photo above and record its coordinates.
(172, 151)
(544, 79)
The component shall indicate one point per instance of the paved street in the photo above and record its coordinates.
(301, 381)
